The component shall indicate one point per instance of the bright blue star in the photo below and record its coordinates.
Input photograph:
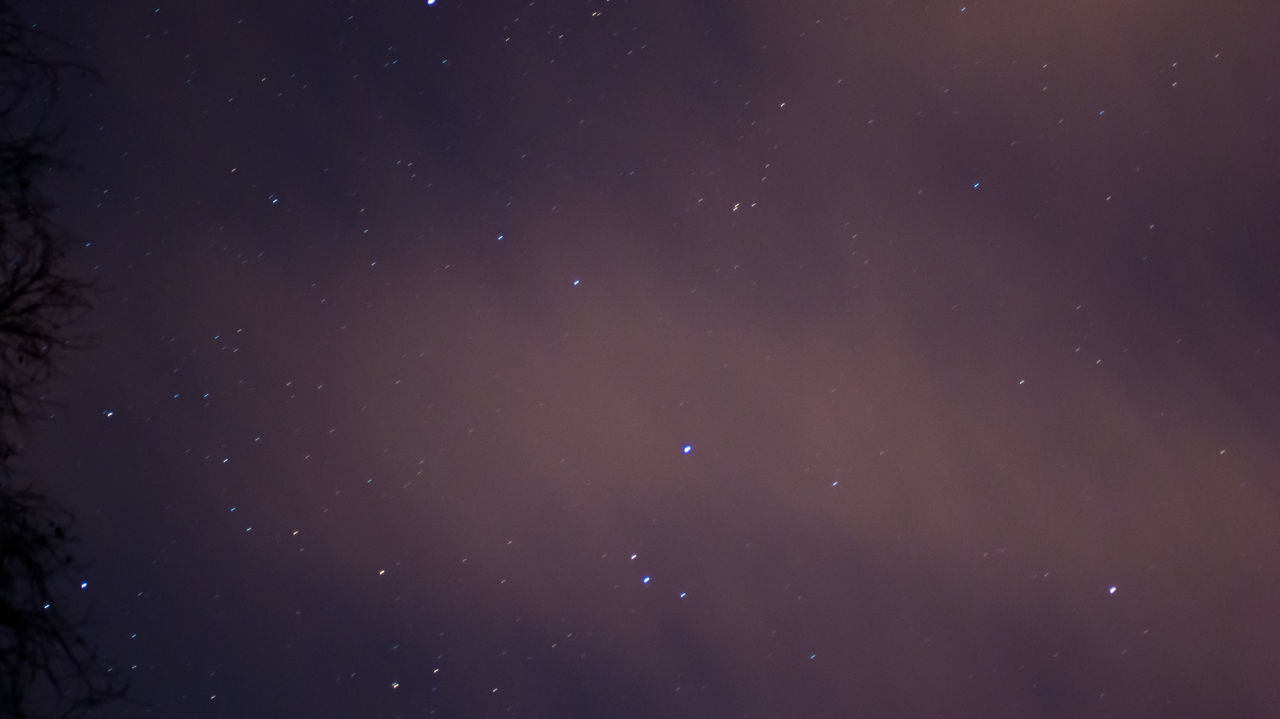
(687, 448)
(646, 580)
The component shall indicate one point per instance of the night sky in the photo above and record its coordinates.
(591, 358)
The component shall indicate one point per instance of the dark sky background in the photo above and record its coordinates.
(968, 315)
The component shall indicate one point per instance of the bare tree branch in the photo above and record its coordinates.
(47, 666)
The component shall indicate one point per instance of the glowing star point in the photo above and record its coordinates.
(687, 449)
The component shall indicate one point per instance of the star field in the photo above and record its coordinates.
(675, 359)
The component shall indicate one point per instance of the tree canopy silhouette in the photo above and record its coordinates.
(48, 668)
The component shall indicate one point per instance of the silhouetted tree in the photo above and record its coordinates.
(47, 666)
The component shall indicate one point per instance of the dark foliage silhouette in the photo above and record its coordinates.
(47, 666)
